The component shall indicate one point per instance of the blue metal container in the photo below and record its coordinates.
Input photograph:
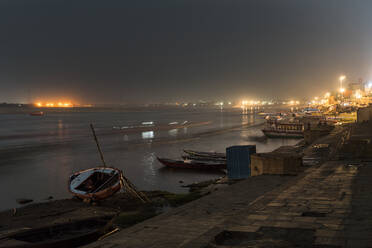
(239, 161)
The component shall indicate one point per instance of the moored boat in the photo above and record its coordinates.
(280, 129)
(197, 158)
(96, 183)
(191, 164)
(206, 154)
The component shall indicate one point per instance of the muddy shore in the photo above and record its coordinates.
(122, 207)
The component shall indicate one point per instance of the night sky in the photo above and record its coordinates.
(180, 50)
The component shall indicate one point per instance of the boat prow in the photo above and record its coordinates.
(192, 164)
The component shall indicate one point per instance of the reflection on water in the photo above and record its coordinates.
(151, 171)
(173, 132)
(244, 118)
(148, 135)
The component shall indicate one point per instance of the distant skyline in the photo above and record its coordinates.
(165, 51)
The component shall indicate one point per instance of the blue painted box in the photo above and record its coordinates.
(239, 160)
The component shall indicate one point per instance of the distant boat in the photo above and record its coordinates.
(206, 154)
(282, 129)
(311, 111)
(96, 183)
(192, 164)
(37, 113)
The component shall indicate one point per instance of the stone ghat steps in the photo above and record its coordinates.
(310, 213)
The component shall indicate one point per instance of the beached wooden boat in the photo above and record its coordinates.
(192, 164)
(206, 154)
(72, 234)
(96, 183)
(197, 158)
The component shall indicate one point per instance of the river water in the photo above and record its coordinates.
(37, 154)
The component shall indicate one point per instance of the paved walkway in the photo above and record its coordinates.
(309, 213)
(186, 224)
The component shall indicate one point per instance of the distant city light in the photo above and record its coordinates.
(54, 105)
(327, 95)
(342, 90)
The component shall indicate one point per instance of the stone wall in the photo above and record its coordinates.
(364, 114)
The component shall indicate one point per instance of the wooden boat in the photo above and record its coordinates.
(279, 129)
(197, 158)
(191, 164)
(37, 113)
(206, 154)
(96, 183)
(73, 234)
(283, 134)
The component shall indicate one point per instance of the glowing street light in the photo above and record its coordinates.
(342, 77)
(327, 95)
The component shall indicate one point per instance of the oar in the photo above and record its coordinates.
(98, 147)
